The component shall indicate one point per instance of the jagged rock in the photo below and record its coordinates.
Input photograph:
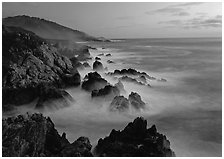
(136, 101)
(135, 141)
(86, 64)
(29, 61)
(97, 66)
(93, 81)
(35, 136)
(50, 94)
(108, 90)
(97, 58)
(108, 54)
(119, 103)
(109, 61)
(130, 71)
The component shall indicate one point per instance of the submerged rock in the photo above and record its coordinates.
(119, 103)
(109, 61)
(108, 54)
(35, 136)
(93, 81)
(135, 141)
(108, 90)
(136, 101)
(98, 66)
(102, 54)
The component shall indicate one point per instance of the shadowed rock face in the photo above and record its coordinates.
(29, 61)
(136, 101)
(36, 136)
(135, 141)
(98, 66)
(93, 81)
(119, 103)
(107, 91)
(86, 64)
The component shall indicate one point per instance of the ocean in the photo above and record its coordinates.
(187, 108)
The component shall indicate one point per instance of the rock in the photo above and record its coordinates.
(102, 54)
(142, 79)
(50, 94)
(35, 136)
(120, 86)
(108, 90)
(76, 63)
(129, 79)
(72, 79)
(98, 66)
(29, 61)
(119, 103)
(108, 54)
(135, 141)
(97, 58)
(109, 61)
(86, 64)
(136, 101)
(93, 81)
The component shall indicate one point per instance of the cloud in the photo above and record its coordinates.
(195, 22)
(175, 10)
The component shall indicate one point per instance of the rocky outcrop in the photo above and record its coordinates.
(93, 81)
(120, 104)
(29, 61)
(135, 141)
(36, 136)
(136, 101)
(107, 91)
(98, 66)
(50, 94)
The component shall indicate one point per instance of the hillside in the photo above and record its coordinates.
(48, 29)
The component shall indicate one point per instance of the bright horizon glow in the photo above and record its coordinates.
(128, 20)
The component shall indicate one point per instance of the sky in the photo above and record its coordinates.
(128, 19)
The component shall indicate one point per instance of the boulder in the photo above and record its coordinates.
(108, 54)
(135, 141)
(109, 61)
(35, 136)
(98, 66)
(93, 81)
(108, 90)
(136, 101)
(119, 103)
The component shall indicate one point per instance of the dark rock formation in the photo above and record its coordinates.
(109, 91)
(93, 81)
(50, 94)
(86, 64)
(130, 71)
(27, 62)
(97, 58)
(108, 54)
(75, 63)
(98, 66)
(135, 141)
(109, 61)
(136, 101)
(36, 136)
(119, 103)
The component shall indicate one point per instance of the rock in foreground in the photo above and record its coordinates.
(36, 136)
(135, 141)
